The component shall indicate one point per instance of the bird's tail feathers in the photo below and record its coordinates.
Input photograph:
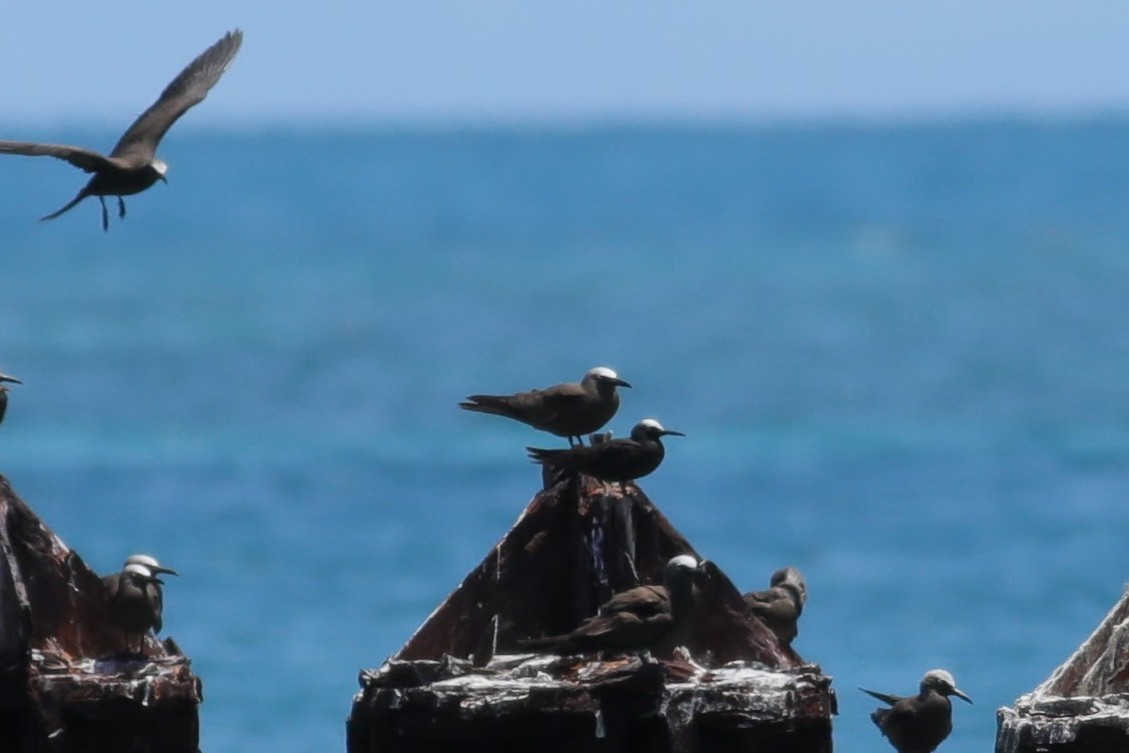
(538, 455)
(69, 205)
(487, 404)
(884, 697)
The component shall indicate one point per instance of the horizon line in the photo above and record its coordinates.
(950, 117)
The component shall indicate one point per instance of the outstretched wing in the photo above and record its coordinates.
(187, 89)
(83, 159)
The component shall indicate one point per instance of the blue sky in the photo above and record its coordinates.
(459, 60)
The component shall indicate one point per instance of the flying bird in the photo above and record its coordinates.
(780, 605)
(918, 724)
(571, 410)
(619, 460)
(633, 620)
(4, 393)
(133, 165)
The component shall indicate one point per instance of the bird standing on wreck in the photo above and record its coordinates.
(780, 605)
(4, 393)
(134, 597)
(133, 166)
(633, 620)
(619, 460)
(918, 724)
(570, 410)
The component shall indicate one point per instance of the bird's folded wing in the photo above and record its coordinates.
(644, 600)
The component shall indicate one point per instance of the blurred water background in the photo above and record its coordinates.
(899, 353)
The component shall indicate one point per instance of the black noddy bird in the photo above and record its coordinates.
(4, 393)
(134, 602)
(133, 166)
(571, 410)
(919, 723)
(633, 620)
(619, 460)
(780, 605)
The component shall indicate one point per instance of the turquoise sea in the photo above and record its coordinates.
(900, 354)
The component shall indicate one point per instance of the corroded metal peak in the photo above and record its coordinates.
(722, 681)
(1083, 707)
(67, 677)
(578, 542)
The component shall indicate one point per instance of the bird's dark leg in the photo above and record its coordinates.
(121, 208)
(105, 214)
(571, 443)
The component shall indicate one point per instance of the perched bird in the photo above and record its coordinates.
(133, 165)
(134, 602)
(571, 410)
(780, 605)
(918, 724)
(633, 620)
(4, 393)
(109, 582)
(619, 460)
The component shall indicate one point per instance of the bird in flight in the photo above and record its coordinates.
(133, 165)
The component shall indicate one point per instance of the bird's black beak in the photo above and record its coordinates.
(959, 694)
(620, 382)
(158, 581)
(163, 179)
(162, 569)
(704, 568)
(12, 379)
(669, 433)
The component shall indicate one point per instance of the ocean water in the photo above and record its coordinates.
(900, 355)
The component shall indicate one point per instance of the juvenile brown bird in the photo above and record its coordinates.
(780, 605)
(918, 724)
(571, 410)
(133, 166)
(633, 620)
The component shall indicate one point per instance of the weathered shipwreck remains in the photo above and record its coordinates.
(67, 681)
(1083, 707)
(461, 684)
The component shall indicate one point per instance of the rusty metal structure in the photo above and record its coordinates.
(460, 683)
(1083, 707)
(68, 684)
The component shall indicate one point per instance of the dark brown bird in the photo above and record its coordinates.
(619, 460)
(133, 165)
(4, 393)
(110, 582)
(632, 620)
(918, 724)
(134, 602)
(780, 605)
(571, 410)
